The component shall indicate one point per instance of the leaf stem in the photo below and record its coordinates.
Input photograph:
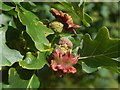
(50, 49)
(53, 39)
(83, 57)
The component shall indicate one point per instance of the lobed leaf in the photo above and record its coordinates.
(102, 45)
(16, 82)
(9, 56)
(34, 28)
(101, 50)
(32, 62)
(79, 10)
(5, 7)
(88, 69)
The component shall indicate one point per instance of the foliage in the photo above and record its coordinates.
(27, 43)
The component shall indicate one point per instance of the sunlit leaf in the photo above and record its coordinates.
(34, 28)
(9, 56)
(32, 62)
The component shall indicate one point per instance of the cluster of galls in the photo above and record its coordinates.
(62, 59)
(62, 21)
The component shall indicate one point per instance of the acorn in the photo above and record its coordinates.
(56, 26)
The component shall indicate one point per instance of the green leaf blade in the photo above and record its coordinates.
(102, 45)
(32, 62)
(100, 51)
(16, 82)
(34, 28)
(9, 56)
(5, 7)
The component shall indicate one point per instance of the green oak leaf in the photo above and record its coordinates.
(5, 7)
(46, 30)
(101, 51)
(87, 20)
(9, 56)
(34, 28)
(32, 62)
(79, 10)
(17, 1)
(16, 82)
(87, 68)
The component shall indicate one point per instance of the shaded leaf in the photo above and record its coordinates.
(30, 44)
(101, 50)
(17, 1)
(69, 8)
(16, 82)
(97, 61)
(79, 10)
(67, 5)
(5, 7)
(12, 23)
(102, 45)
(88, 18)
(87, 68)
